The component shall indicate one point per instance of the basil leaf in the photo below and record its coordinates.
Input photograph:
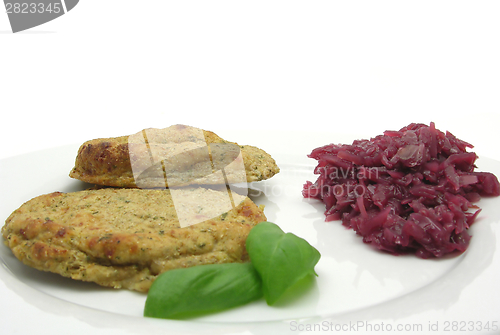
(282, 260)
(201, 289)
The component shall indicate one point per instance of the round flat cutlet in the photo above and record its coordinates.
(124, 238)
(194, 156)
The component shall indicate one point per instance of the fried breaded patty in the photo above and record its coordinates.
(124, 238)
(174, 156)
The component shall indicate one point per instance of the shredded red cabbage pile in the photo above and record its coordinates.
(404, 191)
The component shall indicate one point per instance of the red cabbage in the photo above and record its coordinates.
(405, 191)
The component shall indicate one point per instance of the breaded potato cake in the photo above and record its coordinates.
(175, 156)
(124, 238)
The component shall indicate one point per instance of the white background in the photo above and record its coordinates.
(114, 67)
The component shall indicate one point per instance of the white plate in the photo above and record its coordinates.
(357, 289)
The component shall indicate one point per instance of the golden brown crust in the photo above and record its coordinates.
(107, 161)
(124, 238)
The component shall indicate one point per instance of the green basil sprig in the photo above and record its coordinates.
(281, 259)
(193, 291)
